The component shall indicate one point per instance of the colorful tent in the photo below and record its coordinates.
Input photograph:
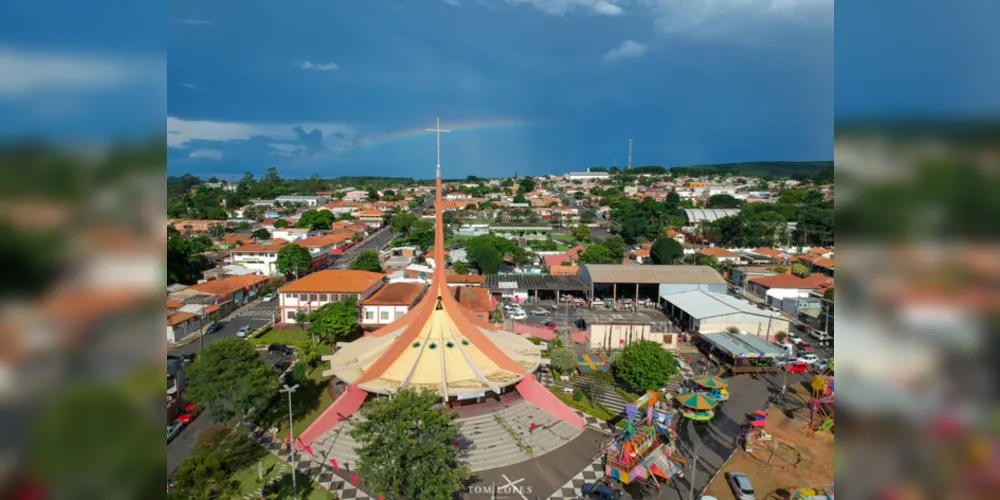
(710, 382)
(697, 401)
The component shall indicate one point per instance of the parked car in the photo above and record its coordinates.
(551, 325)
(600, 491)
(518, 315)
(821, 365)
(797, 367)
(189, 413)
(794, 339)
(214, 327)
(539, 311)
(808, 359)
(271, 296)
(173, 430)
(243, 332)
(820, 336)
(805, 347)
(282, 348)
(281, 366)
(740, 483)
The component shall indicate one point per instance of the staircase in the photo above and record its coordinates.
(610, 399)
(484, 442)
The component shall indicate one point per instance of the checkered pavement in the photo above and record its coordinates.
(573, 488)
(322, 474)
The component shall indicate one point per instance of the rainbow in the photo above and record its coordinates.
(375, 139)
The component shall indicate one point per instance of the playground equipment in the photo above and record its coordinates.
(818, 492)
(642, 450)
(819, 404)
(713, 387)
(696, 406)
(765, 448)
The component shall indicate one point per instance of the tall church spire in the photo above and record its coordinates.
(437, 129)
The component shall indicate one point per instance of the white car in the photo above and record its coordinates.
(808, 359)
(243, 332)
(269, 297)
(518, 315)
(173, 430)
(538, 311)
(794, 339)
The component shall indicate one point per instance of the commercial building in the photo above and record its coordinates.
(522, 231)
(616, 281)
(702, 311)
(521, 287)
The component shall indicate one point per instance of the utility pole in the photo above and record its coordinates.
(291, 432)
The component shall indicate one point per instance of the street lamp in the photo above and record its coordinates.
(291, 433)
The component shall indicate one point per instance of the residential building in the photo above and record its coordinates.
(293, 234)
(477, 300)
(465, 280)
(587, 176)
(772, 289)
(720, 254)
(676, 236)
(640, 256)
(322, 287)
(356, 195)
(228, 293)
(261, 258)
(739, 276)
(389, 303)
(774, 254)
(180, 324)
(372, 218)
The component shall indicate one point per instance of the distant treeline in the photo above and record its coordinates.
(775, 169)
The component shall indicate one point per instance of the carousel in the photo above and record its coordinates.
(696, 406)
(713, 387)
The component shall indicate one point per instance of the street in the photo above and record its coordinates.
(374, 242)
(256, 317)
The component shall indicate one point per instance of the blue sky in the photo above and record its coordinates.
(532, 86)
(693, 82)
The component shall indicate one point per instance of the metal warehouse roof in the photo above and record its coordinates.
(696, 215)
(740, 345)
(648, 274)
(497, 282)
(700, 304)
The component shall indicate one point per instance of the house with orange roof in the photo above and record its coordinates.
(476, 300)
(639, 257)
(823, 266)
(779, 287)
(564, 270)
(554, 260)
(180, 324)
(460, 280)
(322, 287)
(389, 303)
(773, 254)
(228, 293)
(676, 235)
(373, 218)
(826, 253)
(721, 254)
(233, 240)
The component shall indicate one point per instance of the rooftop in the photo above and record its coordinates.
(782, 281)
(741, 345)
(229, 285)
(335, 281)
(696, 215)
(474, 298)
(395, 294)
(496, 282)
(674, 274)
(700, 304)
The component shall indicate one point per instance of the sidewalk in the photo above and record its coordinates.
(197, 335)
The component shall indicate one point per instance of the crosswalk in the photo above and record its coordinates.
(257, 313)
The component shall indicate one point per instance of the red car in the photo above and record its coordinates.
(550, 325)
(797, 367)
(190, 412)
(805, 347)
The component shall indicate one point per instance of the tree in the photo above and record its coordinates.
(519, 198)
(582, 233)
(828, 294)
(335, 319)
(616, 247)
(402, 223)
(280, 224)
(461, 267)
(229, 379)
(781, 270)
(597, 384)
(308, 352)
(562, 359)
(527, 185)
(405, 447)
(645, 365)
(722, 201)
(293, 259)
(85, 417)
(208, 471)
(597, 254)
(262, 234)
(666, 251)
(800, 270)
(367, 260)
(781, 336)
(315, 219)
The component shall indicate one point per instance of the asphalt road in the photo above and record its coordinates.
(376, 242)
(599, 235)
(230, 326)
(183, 445)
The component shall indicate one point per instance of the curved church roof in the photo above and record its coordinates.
(437, 345)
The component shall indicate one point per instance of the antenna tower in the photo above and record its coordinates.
(630, 154)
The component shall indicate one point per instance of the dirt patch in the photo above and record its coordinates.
(781, 480)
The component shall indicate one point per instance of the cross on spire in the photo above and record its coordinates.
(438, 130)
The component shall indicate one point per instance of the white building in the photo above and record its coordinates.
(587, 176)
(293, 234)
(322, 287)
(261, 258)
(389, 303)
(309, 201)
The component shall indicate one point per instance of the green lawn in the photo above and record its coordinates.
(249, 482)
(569, 240)
(451, 240)
(280, 336)
(309, 401)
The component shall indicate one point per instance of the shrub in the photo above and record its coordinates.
(577, 395)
